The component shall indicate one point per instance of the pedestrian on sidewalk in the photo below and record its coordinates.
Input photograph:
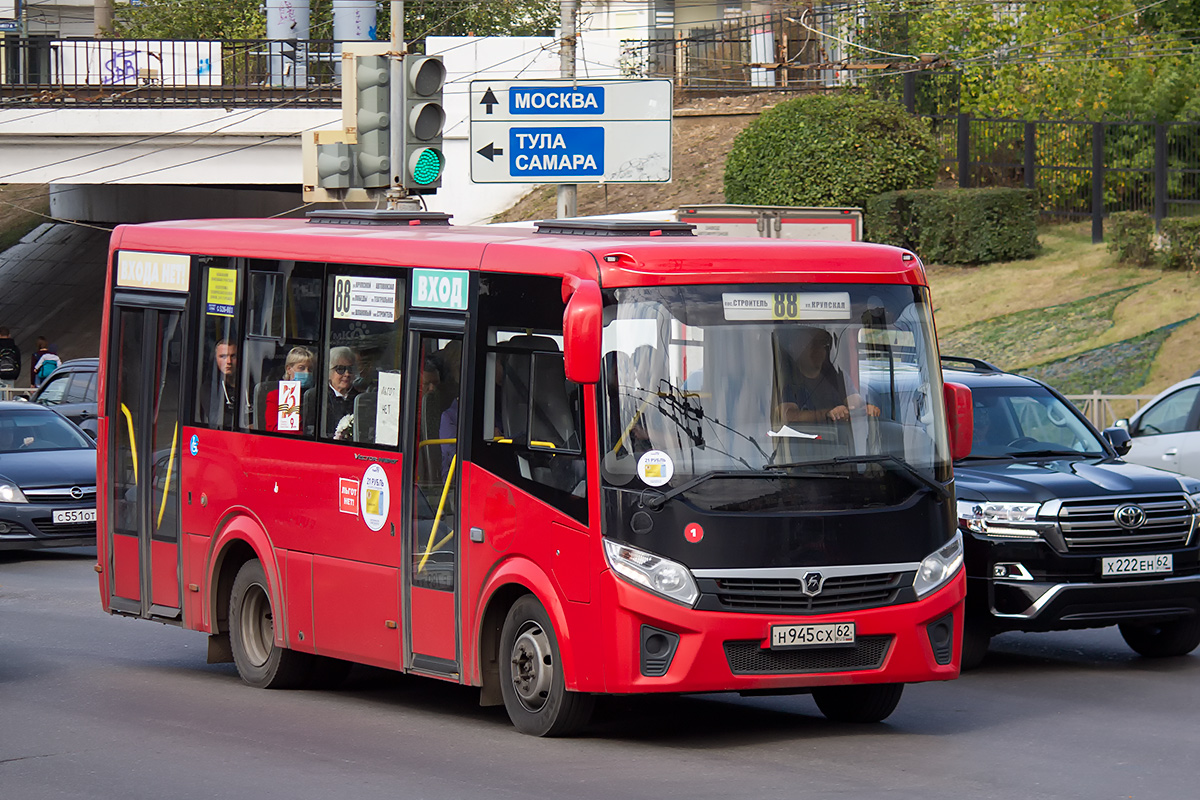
(43, 363)
(10, 363)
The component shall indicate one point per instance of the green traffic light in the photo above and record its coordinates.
(427, 166)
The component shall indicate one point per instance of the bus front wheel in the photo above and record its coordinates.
(870, 703)
(260, 662)
(531, 675)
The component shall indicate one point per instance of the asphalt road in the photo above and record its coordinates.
(93, 706)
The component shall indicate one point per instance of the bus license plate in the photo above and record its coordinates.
(74, 515)
(1136, 565)
(834, 634)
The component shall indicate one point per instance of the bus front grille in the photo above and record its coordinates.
(785, 595)
(749, 657)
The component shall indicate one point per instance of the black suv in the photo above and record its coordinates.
(1060, 532)
(71, 391)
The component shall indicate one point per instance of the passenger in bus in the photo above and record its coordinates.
(429, 420)
(297, 367)
(816, 390)
(339, 397)
(219, 408)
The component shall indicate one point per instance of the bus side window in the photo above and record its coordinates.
(219, 396)
(280, 354)
(355, 396)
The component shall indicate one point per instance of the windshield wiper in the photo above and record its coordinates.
(659, 500)
(1047, 452)
(906, 467)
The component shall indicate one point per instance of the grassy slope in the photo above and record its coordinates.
(1070, 269)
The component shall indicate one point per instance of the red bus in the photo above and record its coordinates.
(587, 459)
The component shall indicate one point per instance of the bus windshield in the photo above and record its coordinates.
(835, 380)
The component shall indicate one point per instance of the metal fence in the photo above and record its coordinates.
(1082, 170)
(40, 71)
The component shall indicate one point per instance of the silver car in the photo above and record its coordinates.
(1166, 431)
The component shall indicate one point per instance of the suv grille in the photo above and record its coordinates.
(784, 595)
(749, 658)
(1091, 525)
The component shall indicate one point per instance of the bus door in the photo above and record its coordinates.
(144, 452)
(432, 511)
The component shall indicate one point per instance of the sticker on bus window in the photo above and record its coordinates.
(222, 292)
(785, 305)
(366, 299)
(288, 418)
(655, 468)
(387, 410)
(348, 496)
(373, 497)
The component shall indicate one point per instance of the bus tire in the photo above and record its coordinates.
(871, 703)
(531, 676)
(1164, 639)
(261, 663)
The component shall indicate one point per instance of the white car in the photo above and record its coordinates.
(1166, 431)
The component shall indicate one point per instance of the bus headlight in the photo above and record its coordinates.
(655, 573)
(9, 493)
(1004, 520)
(940, 566)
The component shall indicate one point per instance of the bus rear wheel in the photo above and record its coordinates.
(870, 703)
(531, 675)
(261, 663)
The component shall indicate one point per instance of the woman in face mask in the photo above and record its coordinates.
(298, 367)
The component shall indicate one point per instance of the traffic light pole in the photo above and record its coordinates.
(568, 193)
(396, 195)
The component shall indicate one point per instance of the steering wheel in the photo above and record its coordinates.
(1022, 442)
(1056, 415)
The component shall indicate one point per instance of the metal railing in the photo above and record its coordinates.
(16, 392)
(39, 71)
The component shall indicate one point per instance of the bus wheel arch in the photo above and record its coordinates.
(532, 677)
(490, 627)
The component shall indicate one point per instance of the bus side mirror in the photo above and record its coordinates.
(960, 415)
(582, 330)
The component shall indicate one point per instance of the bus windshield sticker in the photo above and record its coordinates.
(787, 432)
(222, 291)
(655, 468)
(348, 496)
(289, 407)
(785, 305)
(440, 288)
(387, 410)
(366, 299)
(165, 271)
(887, 338)
(373, 497)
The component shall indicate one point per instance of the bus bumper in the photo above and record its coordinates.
(661, 646)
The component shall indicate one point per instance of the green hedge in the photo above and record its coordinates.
(1130, 235)
(829, 150)
(1180, 247)
(957, 226)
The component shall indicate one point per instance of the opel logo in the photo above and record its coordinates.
(811, 583)
(1130, 517)
(76, 492)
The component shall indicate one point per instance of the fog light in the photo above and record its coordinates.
(658, 650)
(5, 527)
(941, 638)
(1011, 572)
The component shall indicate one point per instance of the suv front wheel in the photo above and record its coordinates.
(1176, 638)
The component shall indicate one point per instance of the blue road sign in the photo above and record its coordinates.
(556, 101)
(566, 152)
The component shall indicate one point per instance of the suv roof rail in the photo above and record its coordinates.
(973, 364)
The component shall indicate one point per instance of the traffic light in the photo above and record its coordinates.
(333, 166)
(373, 120)
(424, 117)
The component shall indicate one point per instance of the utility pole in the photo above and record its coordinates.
(568, 193)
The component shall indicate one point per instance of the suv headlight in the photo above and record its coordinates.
(1004, 520)
(9, 493)
(655, 573)
(939, 566)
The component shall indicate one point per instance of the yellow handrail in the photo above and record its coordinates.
(632, 422)
(438, 517)
(132, 442)
(167, 486)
